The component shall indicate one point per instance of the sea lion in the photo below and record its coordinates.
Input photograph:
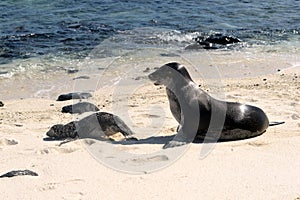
(80, 108)
(203, 116)
(96, 126)
(74, 95)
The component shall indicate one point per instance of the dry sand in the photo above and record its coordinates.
(265, 167)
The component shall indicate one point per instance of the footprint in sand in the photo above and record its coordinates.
(7, 142)
(295, 117)
(53, 186)
(50, 150)
(143, 160)
(88, 142)
(149, 116)
(257, 144)
(62, 148)
(49, 186)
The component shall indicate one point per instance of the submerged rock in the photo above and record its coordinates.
(216, 41)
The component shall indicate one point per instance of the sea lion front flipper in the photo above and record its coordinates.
(174, 143)
(179, 140)
(67, 141)
(122, 127)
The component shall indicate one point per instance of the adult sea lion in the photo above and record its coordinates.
(203, 116)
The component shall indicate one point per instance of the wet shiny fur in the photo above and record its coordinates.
(97, 125)
(203, 116)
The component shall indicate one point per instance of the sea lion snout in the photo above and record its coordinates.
(164, 75)
(54, 130)
(170, 73)
(155, 78)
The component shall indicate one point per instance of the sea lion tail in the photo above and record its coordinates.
(275, 123)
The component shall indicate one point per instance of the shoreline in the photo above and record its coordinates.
(63, 76)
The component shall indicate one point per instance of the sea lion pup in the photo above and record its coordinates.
(80, 107)
(96, 126)
(203, 116)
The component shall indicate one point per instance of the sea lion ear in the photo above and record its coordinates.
(180, 66)
(184, 72)
(173, 65)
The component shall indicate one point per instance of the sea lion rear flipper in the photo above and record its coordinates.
(275, 123)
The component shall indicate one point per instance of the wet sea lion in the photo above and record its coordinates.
(96, 126)
(203, 116)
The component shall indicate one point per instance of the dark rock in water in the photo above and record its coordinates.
(221, 39)
(74, 26)
(19, 173)
(1, 104)
(96, 126)
(74, 95)
(216, 41)
(80, 107)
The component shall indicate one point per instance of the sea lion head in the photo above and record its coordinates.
(170, 73)
(55, 131)
(60, 131)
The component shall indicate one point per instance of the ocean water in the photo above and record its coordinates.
(41, 39)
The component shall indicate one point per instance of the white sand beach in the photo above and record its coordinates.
(264, 167)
